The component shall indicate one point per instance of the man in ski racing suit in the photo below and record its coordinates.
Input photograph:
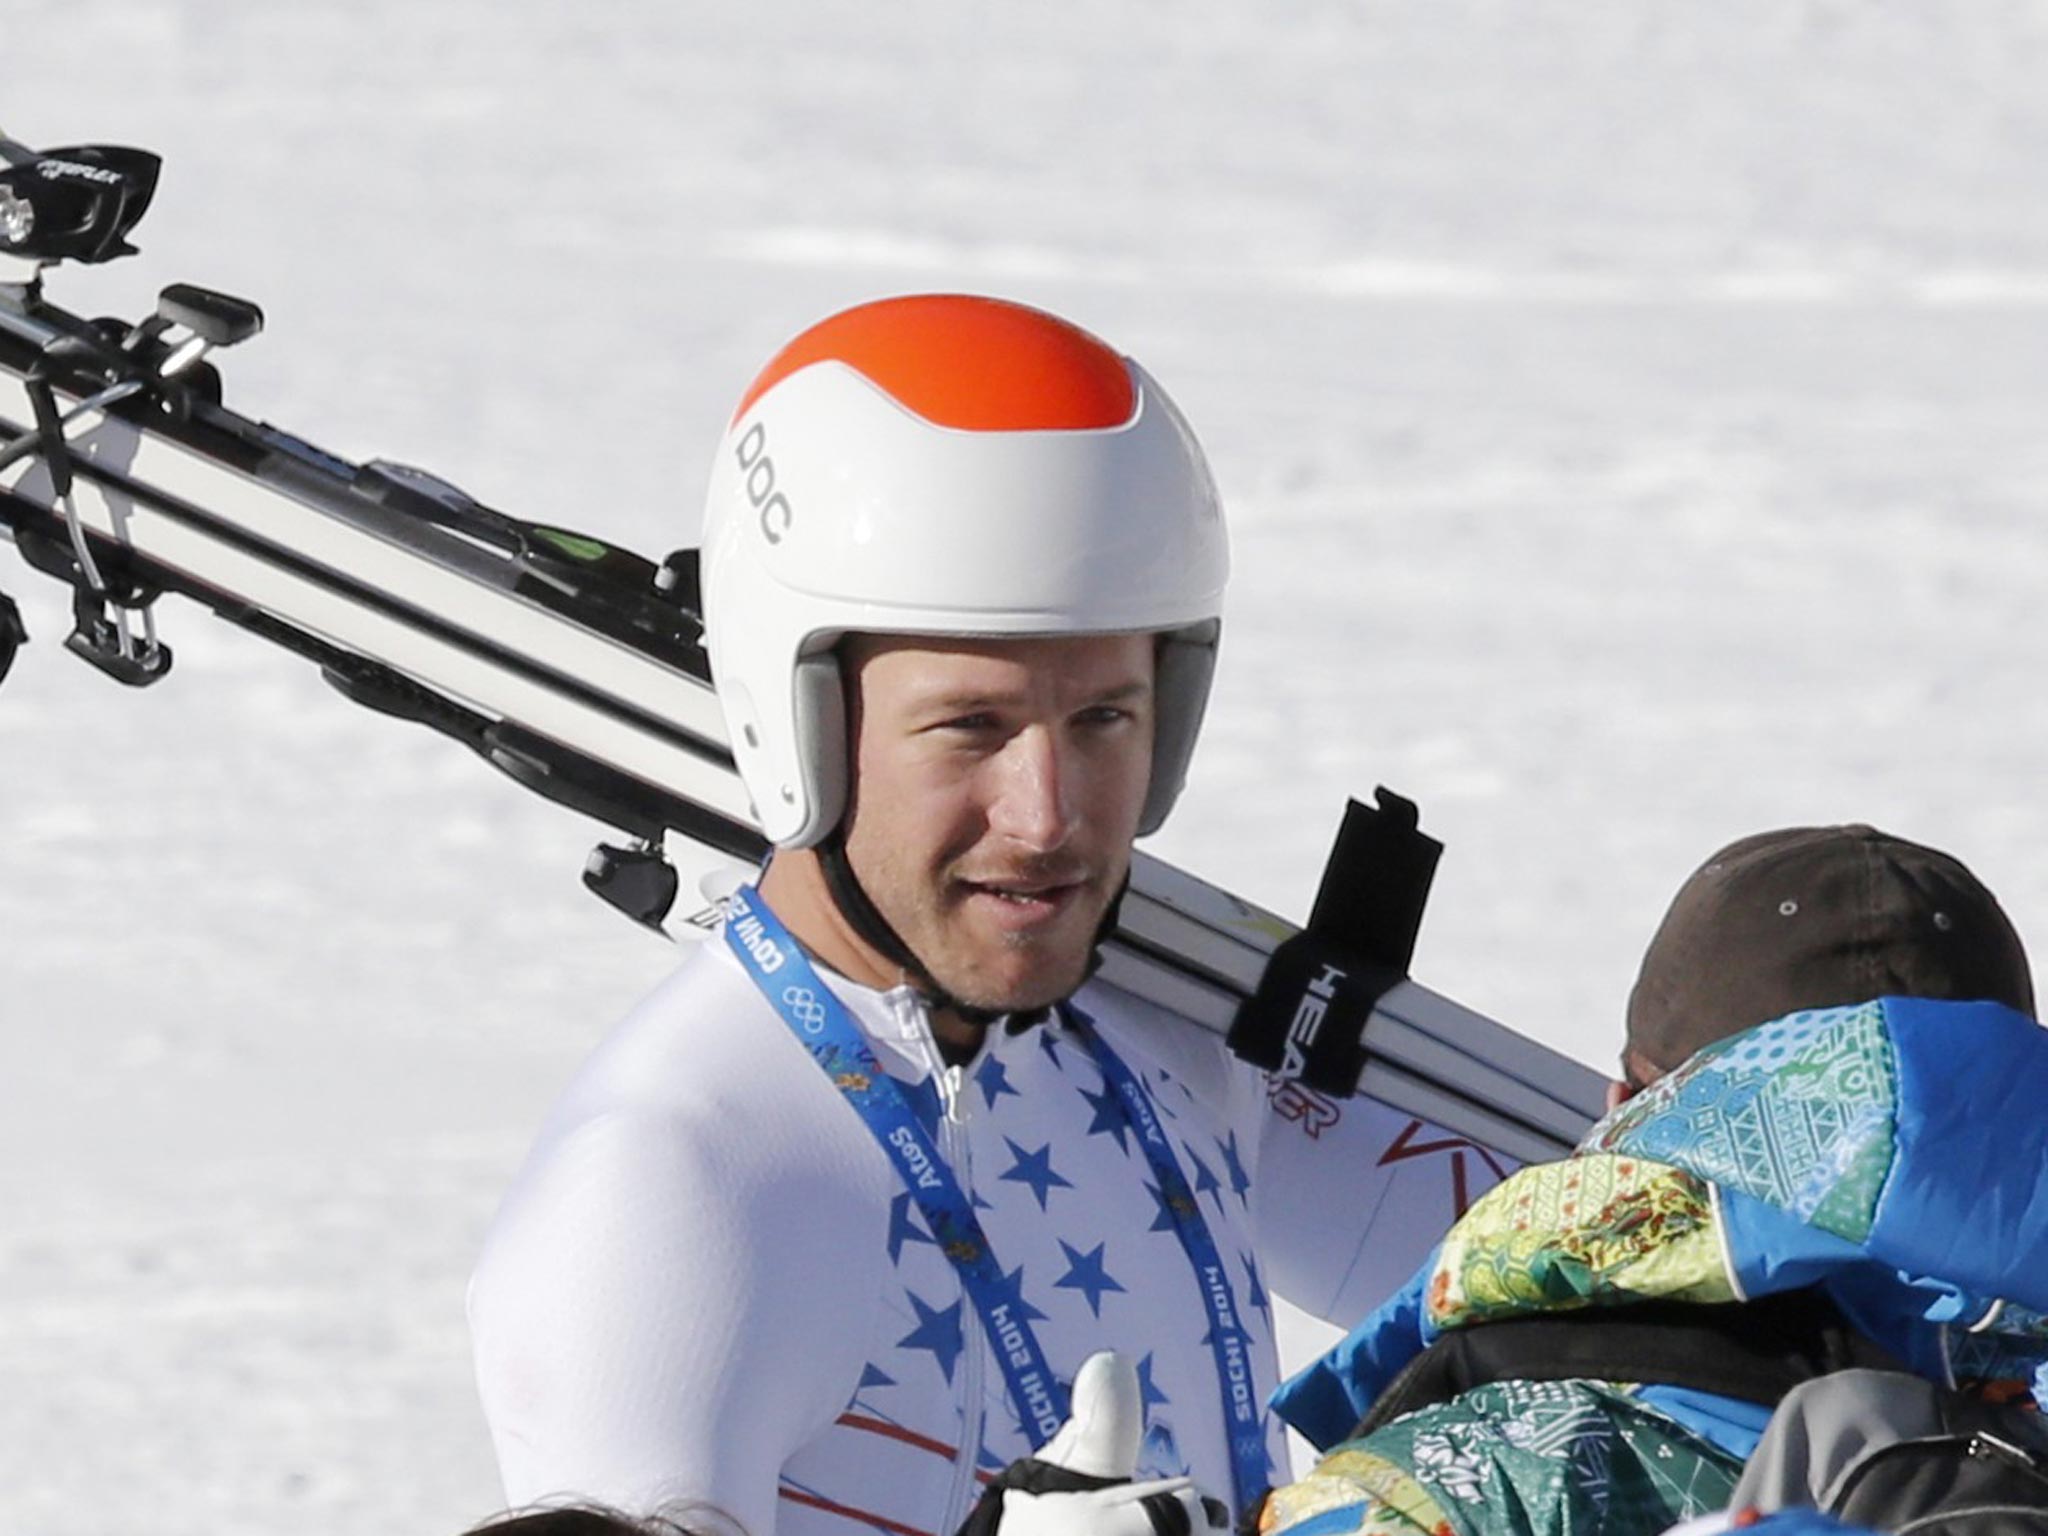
(820, 1234)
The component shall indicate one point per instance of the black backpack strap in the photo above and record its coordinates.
(1756, 1351)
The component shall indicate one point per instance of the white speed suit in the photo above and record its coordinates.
(709, 1286)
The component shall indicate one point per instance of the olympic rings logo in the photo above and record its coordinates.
(804, 1006)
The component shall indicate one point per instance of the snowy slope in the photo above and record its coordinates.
(1631, 423)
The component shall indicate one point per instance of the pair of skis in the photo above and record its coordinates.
(577, 667)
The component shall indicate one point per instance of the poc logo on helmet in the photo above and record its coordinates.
(771, 505)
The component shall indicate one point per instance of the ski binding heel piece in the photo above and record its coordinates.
(218, 319)
(102, 637)
(638, 881)
(190, 322)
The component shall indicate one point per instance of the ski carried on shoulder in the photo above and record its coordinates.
(577, 667)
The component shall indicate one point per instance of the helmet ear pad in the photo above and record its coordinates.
(1184, 668)
(824, 755)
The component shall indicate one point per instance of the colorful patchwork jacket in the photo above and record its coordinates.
(1893, 1155)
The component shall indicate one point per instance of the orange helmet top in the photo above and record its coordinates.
(974, 364)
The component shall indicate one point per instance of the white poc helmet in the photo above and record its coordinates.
(947, 465)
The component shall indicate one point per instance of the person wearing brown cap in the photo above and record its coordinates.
(1599, 1342)
(1814, 917)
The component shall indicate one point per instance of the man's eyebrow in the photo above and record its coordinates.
(968, 701)
(1137, 687)
(939, 706)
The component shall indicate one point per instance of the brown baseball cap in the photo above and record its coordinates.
(1818, 917)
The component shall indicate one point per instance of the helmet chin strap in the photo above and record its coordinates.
(866, 920)
(875, 930)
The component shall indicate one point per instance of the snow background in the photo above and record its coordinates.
(1631, 418)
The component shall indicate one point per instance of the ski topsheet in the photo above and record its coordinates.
(573, 665)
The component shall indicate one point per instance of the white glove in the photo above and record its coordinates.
(1048, 1494)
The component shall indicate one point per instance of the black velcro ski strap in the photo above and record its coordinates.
(1307, 1020)
(1755, 1351)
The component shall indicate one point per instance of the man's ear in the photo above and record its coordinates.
(1637, 1073)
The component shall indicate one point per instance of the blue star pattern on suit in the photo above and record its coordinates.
(1034, 1171)
(1256, 1295)
(1205, 1181)
(1086, 1274)
(903, 1228)
(1233, 1165)
(994, 1080)
(937, 1331)
(1013, 1292)
(1149, 1394)
(966, 1285)
(1110, 1119)
(1164, 1078)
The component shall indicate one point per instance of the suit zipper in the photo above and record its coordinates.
(953, 1134)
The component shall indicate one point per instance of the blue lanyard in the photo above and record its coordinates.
(820, 1022)
(1228, 1341)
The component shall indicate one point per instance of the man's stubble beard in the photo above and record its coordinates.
(932, 923)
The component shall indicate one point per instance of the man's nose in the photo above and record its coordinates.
(1033, 801)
